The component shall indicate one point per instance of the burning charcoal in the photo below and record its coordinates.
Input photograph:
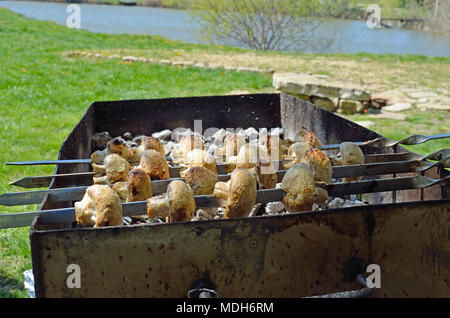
(336, 203)
(100, 140)
(163, 135)
(274, 207)
(127, 136)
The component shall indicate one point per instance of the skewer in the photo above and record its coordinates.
(377, 142)
(160, 186)
(263, 196)
(407, 158)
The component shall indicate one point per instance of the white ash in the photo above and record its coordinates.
(274, 207)
(162, 135)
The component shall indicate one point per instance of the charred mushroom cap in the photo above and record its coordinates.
(239, 192)
(351, 154)
(309, 137)
(139, 185)
(155, 164)
(319, 163)
(119, 146)
(298, 183)
(100, 206)
(201, 180)
(150, 143)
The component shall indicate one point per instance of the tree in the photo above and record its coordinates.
(258, 24)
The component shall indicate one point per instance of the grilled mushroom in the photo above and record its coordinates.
(116, 145)
(309, 137)
(155, 164)
(187, 143)
(201, 180)
(178, 204)
(274, 145)
(351, 154)
(100, 206)
(114, 166)
(150, 143)
(296, 152)
(139, 185)
(239, 193)
(298, 183)
(231, 145)
(199, 158)
(253, 158)
(121, 189)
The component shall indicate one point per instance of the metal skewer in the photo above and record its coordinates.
(44, 181)
(377, 142)
(263, 196)
(160, 186)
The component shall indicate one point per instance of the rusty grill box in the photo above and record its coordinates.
(405, 232)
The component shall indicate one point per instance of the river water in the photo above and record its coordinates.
(346, 36)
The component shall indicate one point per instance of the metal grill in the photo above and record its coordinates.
(295, 255)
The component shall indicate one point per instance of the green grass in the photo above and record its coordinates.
(415, 123)
(43, 94)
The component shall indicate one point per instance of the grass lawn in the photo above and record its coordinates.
(44, 93)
